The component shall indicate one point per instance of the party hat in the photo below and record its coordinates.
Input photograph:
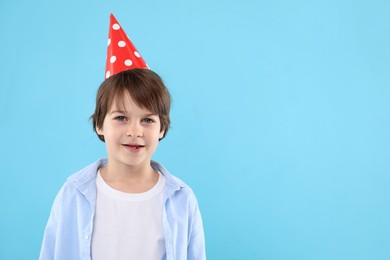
(121, 53)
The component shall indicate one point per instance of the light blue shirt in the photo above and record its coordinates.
(69, 229)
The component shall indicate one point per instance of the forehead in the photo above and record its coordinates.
(125, 102)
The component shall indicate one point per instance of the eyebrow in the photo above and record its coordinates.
(124, 112)
(117, 111)
(149, 115)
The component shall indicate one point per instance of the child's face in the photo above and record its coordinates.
(131, 134)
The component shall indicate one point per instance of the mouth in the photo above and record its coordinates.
(134, 147)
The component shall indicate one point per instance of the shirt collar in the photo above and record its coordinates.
(85, 178)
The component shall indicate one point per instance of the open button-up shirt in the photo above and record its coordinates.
(69, 229)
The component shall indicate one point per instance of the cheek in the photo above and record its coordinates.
(153, 134)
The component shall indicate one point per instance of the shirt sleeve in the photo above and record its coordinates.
(50, 233)
(196, 247)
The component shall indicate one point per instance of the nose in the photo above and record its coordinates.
(134, 130)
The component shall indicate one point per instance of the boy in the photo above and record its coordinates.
(126, 206)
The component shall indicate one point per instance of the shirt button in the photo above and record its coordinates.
(86, 236)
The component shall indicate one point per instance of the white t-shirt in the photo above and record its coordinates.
(128, 226)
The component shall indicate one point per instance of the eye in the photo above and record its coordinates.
(120, 118)
(148, 120)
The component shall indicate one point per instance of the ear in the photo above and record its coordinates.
(99, 130)
(161, 134)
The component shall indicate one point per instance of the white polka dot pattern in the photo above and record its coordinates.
(128, 63)
(121, 53)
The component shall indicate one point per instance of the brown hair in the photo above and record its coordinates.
(145, 87)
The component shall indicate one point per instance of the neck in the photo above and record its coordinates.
(128, 173)
(129, 179)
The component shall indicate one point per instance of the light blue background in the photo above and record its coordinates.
(280, 117)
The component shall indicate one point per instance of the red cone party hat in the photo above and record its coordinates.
(121, 53)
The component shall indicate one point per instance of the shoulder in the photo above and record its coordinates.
(176, 188)
(171, 180)
(79, 190)
(88, 173)
(82, 180)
